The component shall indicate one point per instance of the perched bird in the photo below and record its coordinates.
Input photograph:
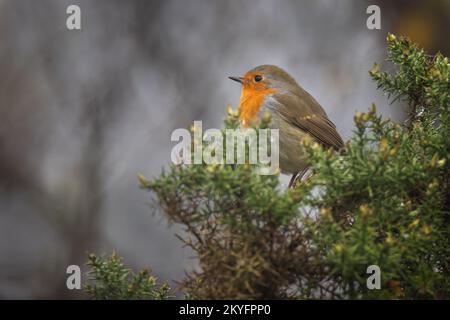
(293, 111)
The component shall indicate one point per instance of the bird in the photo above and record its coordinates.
(293, 111)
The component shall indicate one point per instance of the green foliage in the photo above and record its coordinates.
(241, 226)
(422, 80)
(383, 202)
(385, 199)
(110, 279)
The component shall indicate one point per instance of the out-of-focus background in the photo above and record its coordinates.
(82, 112)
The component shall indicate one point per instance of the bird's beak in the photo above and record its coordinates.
(237, 79)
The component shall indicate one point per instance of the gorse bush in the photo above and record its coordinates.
(110, 279)
(383, 200)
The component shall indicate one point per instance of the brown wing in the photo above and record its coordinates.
(320, 128)
(305, 113)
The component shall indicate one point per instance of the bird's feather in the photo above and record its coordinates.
(304, 112)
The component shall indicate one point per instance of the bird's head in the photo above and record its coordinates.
(257, 83)
(265, 77)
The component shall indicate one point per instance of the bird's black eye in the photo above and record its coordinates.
(258, 78)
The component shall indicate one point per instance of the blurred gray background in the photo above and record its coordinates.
(82, 112)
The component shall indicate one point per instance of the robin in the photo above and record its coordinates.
(293, 111)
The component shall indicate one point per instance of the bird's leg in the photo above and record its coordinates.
(292, 181)
(296, 177)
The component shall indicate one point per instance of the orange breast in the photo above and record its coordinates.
(251, 102)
